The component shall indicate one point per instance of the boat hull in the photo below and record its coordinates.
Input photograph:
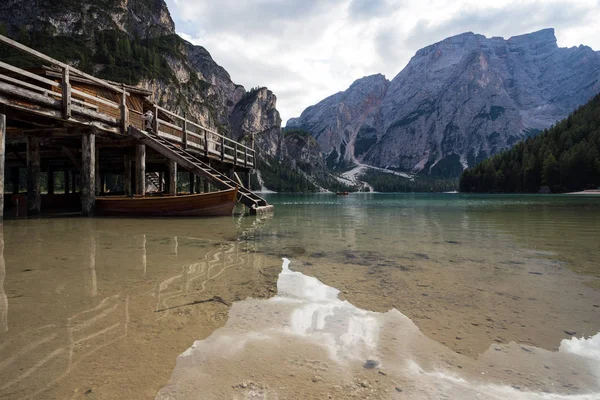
(212, 204)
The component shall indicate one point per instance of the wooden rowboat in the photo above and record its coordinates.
(190, 205)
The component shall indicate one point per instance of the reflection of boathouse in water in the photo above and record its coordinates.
(78, 137)
(180, 271)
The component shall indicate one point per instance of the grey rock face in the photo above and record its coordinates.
(459, 101)
(141, 18)
(256, 114)
(198, 87)
(344, 124)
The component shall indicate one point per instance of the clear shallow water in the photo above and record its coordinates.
(466, 272)
(566, 226)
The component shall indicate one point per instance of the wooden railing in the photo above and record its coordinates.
(58, 95)
(196, 138)
(26, 91)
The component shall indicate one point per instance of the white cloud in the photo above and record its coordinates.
(306, 50)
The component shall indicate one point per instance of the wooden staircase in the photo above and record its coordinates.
(154, 179)
(255, 203)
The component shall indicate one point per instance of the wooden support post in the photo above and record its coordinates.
(97, 178)
(66, 93)
(206, 186)
(50, 179)
(205, 143)
(102, 184)
(88, 173)
(67, 180)
(246, 157)
(2, 162)
(253, 151)
(155, 125)
(124, 113)
(223, 149)
(248, 180)
(34, 201)
(127, 174)
(198, 184)
(185, 136)
(192, 183)
(161, 181)
(140, 169)
(172, 178)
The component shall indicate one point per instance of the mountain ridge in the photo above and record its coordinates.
(458, 101)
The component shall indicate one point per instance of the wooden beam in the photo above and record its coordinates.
(34, 201)
(124, 113)
(2, 157)
(66, 93)
(94, 115)
(18, 82)
(185, 134)
(16, 91)
(88, 173)
(44, 131)
(172, 178)
(140, 169)
(29, 75)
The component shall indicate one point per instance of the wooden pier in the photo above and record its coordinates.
(59, 120)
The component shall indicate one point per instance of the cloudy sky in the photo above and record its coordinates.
(306, 50)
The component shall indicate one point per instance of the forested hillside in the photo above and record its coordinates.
(388, 182)
(564, 158)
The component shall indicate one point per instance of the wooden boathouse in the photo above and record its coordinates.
(59, 120)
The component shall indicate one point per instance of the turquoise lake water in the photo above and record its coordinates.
(108, 304)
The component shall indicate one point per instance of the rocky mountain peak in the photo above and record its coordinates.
(540, 41)
(344, 122)
(456, 102)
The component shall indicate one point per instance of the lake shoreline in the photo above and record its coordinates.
(594, 192)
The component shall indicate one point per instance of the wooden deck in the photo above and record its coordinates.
(58, 94)
(56, 118)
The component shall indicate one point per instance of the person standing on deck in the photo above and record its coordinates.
(148, 117)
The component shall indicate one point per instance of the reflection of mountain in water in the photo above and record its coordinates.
(305, 343)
